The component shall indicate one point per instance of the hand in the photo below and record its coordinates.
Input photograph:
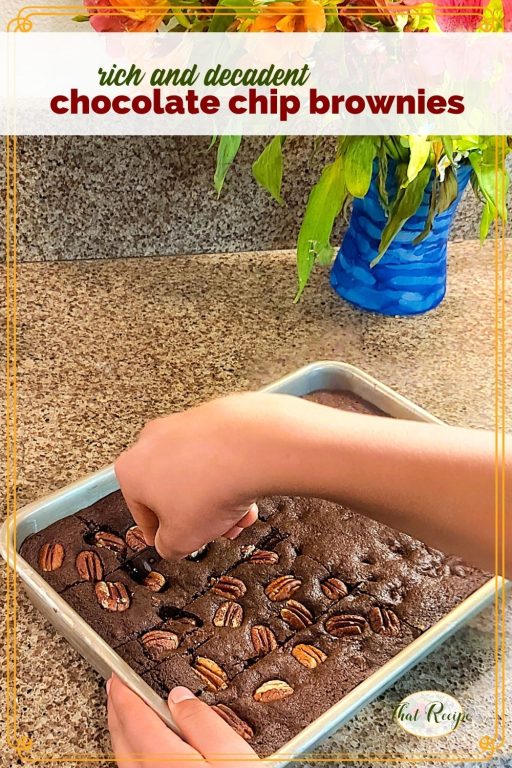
(184, 480)
(139, 737)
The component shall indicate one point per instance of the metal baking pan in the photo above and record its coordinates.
(40, 514)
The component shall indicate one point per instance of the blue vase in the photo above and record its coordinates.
(409, 279)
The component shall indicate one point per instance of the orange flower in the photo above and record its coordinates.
(126, 15)
(303, 16)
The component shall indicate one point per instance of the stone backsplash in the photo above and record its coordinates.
(110, 197)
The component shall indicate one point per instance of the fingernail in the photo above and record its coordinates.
(107, 686)
(180, 694)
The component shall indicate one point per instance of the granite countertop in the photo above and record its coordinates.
(104, 346)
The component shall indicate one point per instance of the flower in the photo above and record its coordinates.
(126, 15)
(507, 9)
(304, 16)
(459, 20)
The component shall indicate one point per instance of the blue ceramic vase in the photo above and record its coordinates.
(409, 279)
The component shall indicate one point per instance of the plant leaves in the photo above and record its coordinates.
(324, 204)
(81, 18)
(382, 177)
(448, 190)
(432, 210)
(420, 151)
(359, 154)
(492, 181)
(226, 153)
(448, 147)
(407, 202)
(268, 168)
(488, 216)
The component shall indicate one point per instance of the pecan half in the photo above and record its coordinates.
(308, 655)
(265, 556)
(229, 587)
(89, 566)
(282, 588)
(263, 639)
(112, 595)
(296, 615)
(334, 588)
(344, 624)
(212, 675)
(154, 581)
(231, 718)
(159, 643)
(384, 621)
(135, 538)
(110, 541)
(273, 690)
(229, 614)
(51, 557)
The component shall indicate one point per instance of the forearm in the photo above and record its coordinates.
(434, 482)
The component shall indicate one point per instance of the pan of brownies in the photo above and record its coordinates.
(286, 631)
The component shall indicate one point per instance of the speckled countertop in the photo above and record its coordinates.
(105, 345)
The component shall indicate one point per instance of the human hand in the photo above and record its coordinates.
(186, 479)
(140, 737)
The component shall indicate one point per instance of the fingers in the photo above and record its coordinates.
(143, 516)
(137, 733)
(247, 520)
(207, 732)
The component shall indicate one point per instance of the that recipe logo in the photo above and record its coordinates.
(430, 714)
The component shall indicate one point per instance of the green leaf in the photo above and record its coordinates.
(212, 143)
(268, 168)
(359, 154)
(81, 18)
(488, 216)
(332, 19)
(492, 182)
(432, 210)
(420, 150)
(448, 190)
(222, 20)
(324, 204)
(226, 153)
(406, 204)
(448, 147)
(382, 177)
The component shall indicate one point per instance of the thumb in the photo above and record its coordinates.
(206, 731)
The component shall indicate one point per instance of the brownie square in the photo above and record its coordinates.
(58, 547)
(114, 625)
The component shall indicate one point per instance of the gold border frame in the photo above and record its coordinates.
(22, 744)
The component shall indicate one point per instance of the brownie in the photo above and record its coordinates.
(272, 628)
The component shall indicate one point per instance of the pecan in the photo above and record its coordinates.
(384, 621)
(231, 718)
(154, 581)
(334, 588)
(89, 566)
(344, 624)
(282, 588)
(110, 541)
(112, 595)
(296, 615)
(229, 587)
(273, 690)
(229, 614)
(135, 538)
(159, 643)
(263, 639)
(264, 556)
(308, 655)
(51, 557)
(213, 676)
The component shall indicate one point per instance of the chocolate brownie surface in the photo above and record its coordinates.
(274, 627)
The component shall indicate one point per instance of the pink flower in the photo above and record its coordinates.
(451, 17)
(125, 15)
(507, 7)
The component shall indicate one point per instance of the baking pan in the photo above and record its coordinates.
(40, 514)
